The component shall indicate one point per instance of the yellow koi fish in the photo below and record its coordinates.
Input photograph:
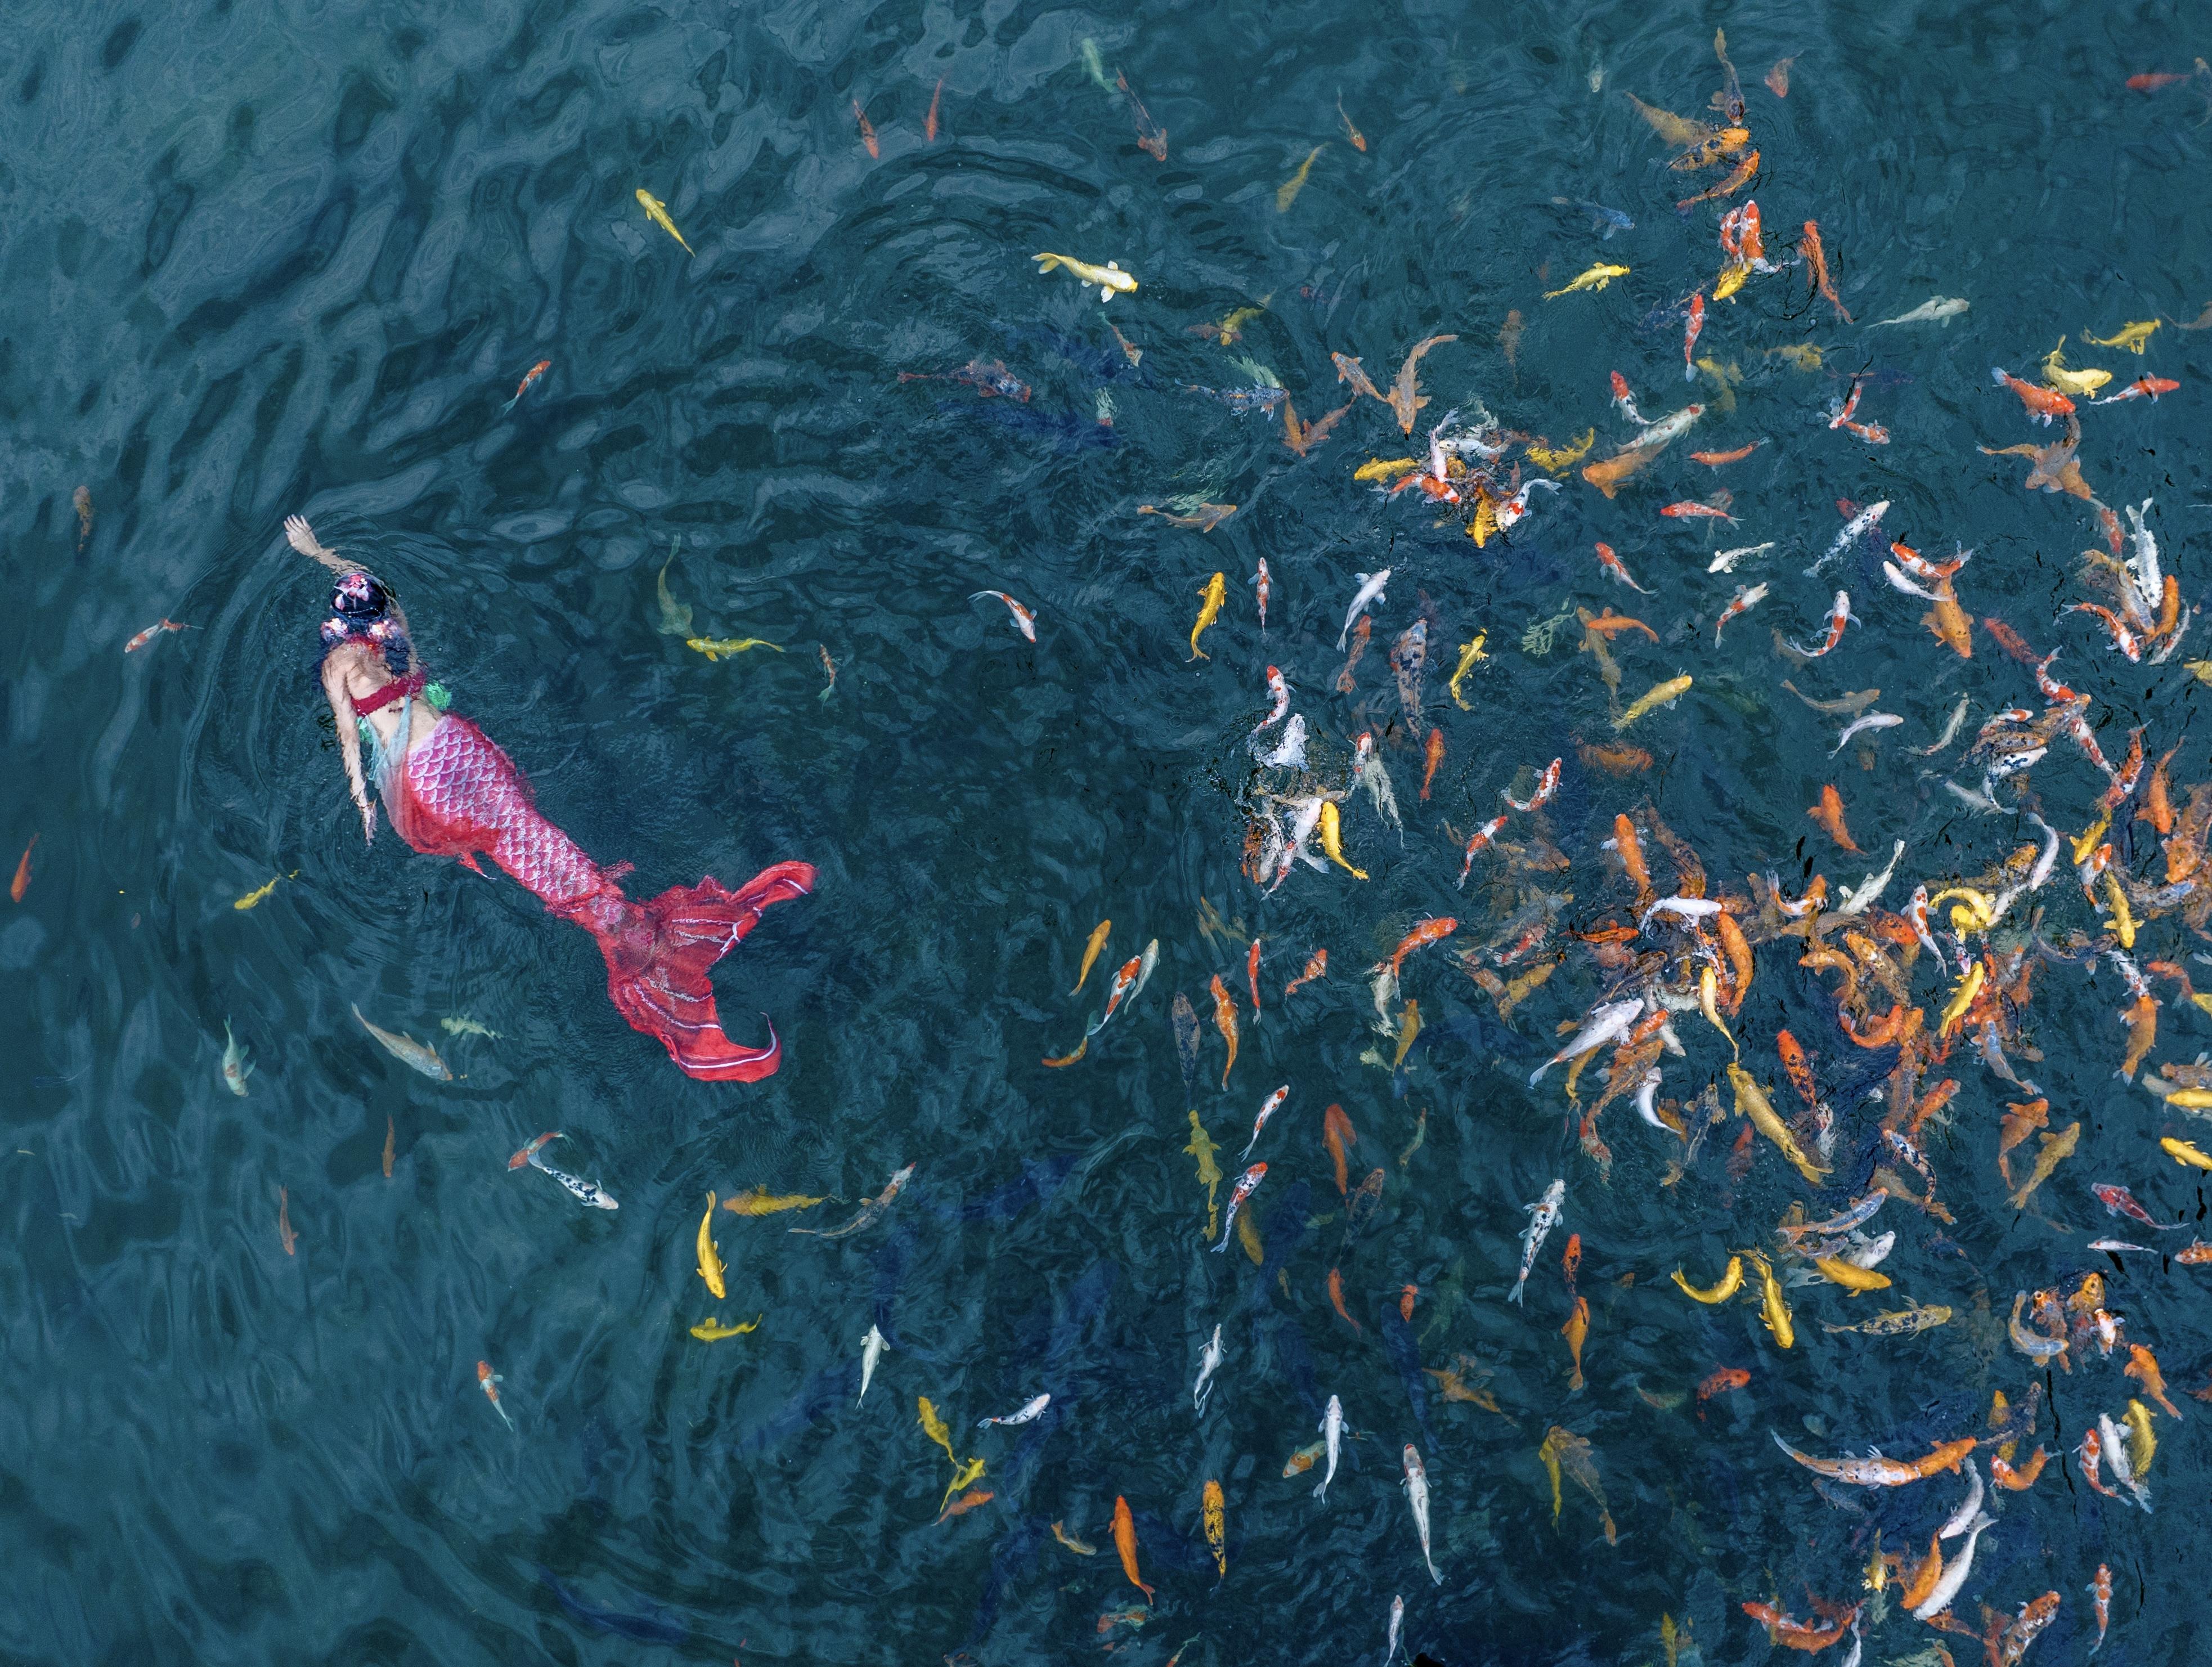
(710, 1264)
(1750, 1102)
(2071, 381)
(962, 1474)
(261, 892)
(1209, 609)
(1389, 468)
(934, 1427)
(1202, 1148)
(2132, 336)
(1091, 953)
(1212, 1508)
(1663, 694)
(762, 1201)
(1332, 840)
(1730, 1283)
(712, 1330)
(2123, 918)
(1596, 279)
(1291, 187)
(1852, 1277)
(1772, 1311)
(2183, 1152)
(715, 646)
(1468, 654)
(1108, 278)
(657, 211)
(1962, 998)
(2143, 1445)
(1558, 459)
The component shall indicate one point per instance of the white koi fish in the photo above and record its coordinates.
(1370, 590)
(871, 1350)
(1725, 560)
(1031, 1408)
(1543, 1216)
(1858, 901)
(1332, 1430)
(1855, 528)
(1954, 1578)
(1290, 753)
(1605, 1023)
(236, 1067)
(1417, 1495)
(1208, 1364)
(1872, 720)
(1272, 1105)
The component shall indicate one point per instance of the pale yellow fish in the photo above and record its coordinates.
(1091, 953)
(2071, 381)
(1202, 1148)
(1247, 1235)
(1209, 609)
(2143, 1445)
(1772, 1311)
(1852, 1277)
(762, 1201)
(2132, 336)
(962, 1474)
(657, 211)
(462, 1024)
(1078, 1547)
(2123, 918)
(261, 892)
(1662, 694)
(1728, 1285)
(1970, 985)
(712, 1330)
(1389, 468)
(1409, 1027)
(710, 1263)
(1468, 654)
(1803, 354)
(1332, 839)
(933, 1426)
(1558, 459)
(1109, 278)
(1291, 187)
(421, 1055)
(1709, 1004)
(1750, 1102)
(1596, 279)
(2183, 1152)
(715, 646)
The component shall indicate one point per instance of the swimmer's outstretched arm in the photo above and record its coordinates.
(302, 539)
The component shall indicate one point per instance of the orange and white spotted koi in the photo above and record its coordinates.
(1546, 785)
(1613, 565)
(1839, 615)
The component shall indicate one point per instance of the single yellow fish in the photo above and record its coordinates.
(1709, 1004)
(710, 1264)
(2191, 1099)
(2200, 669)
(1468, 654)
(2055, 1149)
(962, 1474)
(1852, 1277)
(2132, 336)
(1978, 914)
(1663, 694)
(675, 617)
(2143, 1445)
(1202, 1148)
(1732, 277)
(1110, 278)
(1558, 459)
(1596, 279)
(1091, 953)
(1332, 839)
(1213, 1509)
(1750, 1102)
(1549, 1452)
(2091, 837)
(261, 892)
(715, 646)
(1209, 609)
(2123, 918)
(1730, 1282)
(762, 1201)
(1080, 1547)
(1389, 468)
(2071, 381)
(1803, 354)
(2183, 1152)
(1674, 129)
(1772, 1311)
(934, 1427)
(1230, 328)
(1288, 192)
(1409, 1027)
(712, 1330)
(657, 211)
(1970, 986)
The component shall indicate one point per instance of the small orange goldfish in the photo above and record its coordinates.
(1125, 1542)
(867, 132)
(1829, 813)
(1338, 1134)
(21, 883)
(1316, 967)
(1225, 1020)
(1435, 756)
(1433, 930)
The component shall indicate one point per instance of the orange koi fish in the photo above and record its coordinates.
(1797, 1068)
(1406, 1302)
(2143, 1367)
(1338, 1134)
(1691, 509)
(1829, 814)
(929, 132)
(1125, 1542)
(2018, 1479)
(1798, 1634)
(529, 381)
(1612, 564)
(1404, 396)
(1715, 459)
(1424, 933)
(1225, 1020)
(1728, 187)
(2143, 387)
(1689, 332)
(2043, 403)
(1816, 263)
(1876, 1471)
(1316, 967)
(1336, 1300)
(867, 132)
(21, 883)
(1434, 755)
(965, 1504)
(1252, 972)
(1721, 1382)
(1630, 851)
(150, 633)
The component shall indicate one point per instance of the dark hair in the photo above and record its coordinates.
(364, 610)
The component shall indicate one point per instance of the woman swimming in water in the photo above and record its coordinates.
(450, 790)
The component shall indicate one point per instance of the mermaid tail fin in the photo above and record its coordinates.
(658, 963)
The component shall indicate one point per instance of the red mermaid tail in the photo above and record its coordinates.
(458, 794)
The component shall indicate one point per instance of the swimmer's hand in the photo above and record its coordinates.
(301, 538)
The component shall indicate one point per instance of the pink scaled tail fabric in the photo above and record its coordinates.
(458, 794)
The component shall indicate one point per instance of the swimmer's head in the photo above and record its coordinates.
(363, 609)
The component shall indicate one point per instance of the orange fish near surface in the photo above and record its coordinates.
(867, 132)
(1125, 1542)
(21, 883)
(1877, 1472)
(2043, 403)
(1406, 1302)
(1336, 1300)
(1252, 973)
(1829, 813)
(1728, 187)
(1721, 1382)
(1225, 1020)
(1798, 1634)
(1424, 933)
(1795, 1066)
(929, 133)
(1816, 261)
(1338, 1134)
(1714, 460)
(1316, 966)
(1435, 756)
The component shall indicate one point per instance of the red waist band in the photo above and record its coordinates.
(377, 699)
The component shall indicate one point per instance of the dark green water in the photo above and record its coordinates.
(259, 262)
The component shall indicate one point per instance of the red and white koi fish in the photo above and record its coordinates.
(150, 633)
(2120, 1201)
(1745, 598)
(1839, 615)
(1475, 846)
(1691, 509)
(491, 1380)
(1625, 401)
(1280, 692)
(1264, 585)
(1873, 433)
(2143, 387)
(1697, 323)
(1025, 621)
(1612, 564)
(528, 382)
(1246, 1184)
(1269, 1107)
(2101, 1600)
(1546, 785)
(1915, 914)
(2043, 403)
(2123, 638)
(533, 1149)
(1125, 980)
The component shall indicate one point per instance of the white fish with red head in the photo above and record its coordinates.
(1272, 1105)
(1279, 691)
(1245, 1184)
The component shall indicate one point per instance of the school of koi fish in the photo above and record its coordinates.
(1910, 1075)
